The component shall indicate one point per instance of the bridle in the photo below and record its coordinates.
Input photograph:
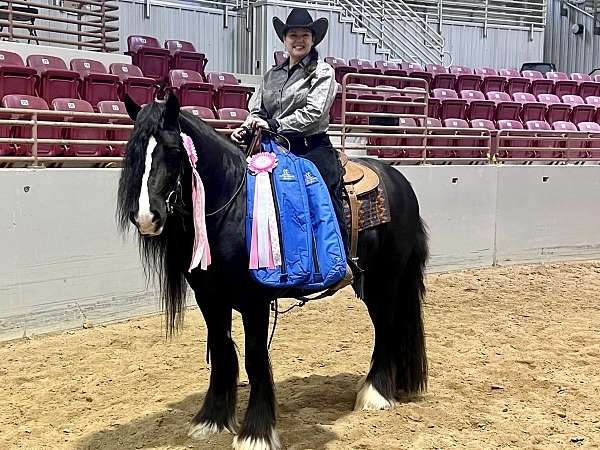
(174, 201)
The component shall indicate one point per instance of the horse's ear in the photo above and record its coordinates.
(132, 107)
(171, 112)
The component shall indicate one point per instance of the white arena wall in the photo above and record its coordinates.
(62, 261)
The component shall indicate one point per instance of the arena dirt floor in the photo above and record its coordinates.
(514, 359)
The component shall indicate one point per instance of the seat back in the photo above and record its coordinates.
(86, 66)
(548, 99)
(592, 127)
(360, 63)
(179, 46)
(572, 100)
(219, 79)
(124, 71)
(41, 63)
(524, 97)
(435, 69)
(235, 114)
(498, 97)
(335, 62)
(386, 65)
(580, 77)
(10, 59)
(556, 76)
(470, 95)
(135, 42)
(411, 67)
(201, 112)
(485, 71)
(533, 75)
(444, 94)
(180, 77)
(512, 73)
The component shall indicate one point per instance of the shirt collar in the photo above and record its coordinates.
(285, 65)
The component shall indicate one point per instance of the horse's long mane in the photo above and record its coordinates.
(165, 257)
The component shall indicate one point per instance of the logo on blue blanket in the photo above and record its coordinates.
(309, 178)
(286, 175)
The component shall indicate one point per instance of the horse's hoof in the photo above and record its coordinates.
(253, 443)
(369, 399)
(202, 430)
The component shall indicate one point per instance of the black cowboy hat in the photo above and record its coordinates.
(301, 18)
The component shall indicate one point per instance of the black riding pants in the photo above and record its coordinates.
(320, 152)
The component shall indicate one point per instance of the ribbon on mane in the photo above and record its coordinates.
(264, 245)
(201, 251)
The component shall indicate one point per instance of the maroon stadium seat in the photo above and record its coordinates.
(405, 124)
(15, 78)
(577, 146)
(562, 84)
(228, 92)
(587, 87)
(386, 65)
(200, 111)
(280, 56)
(233, 115)
(441, 78)
(514, 81)
(411, 67)
(140, 88)
(491, 81)
(97, 84)
(556, 110)
(149, 56)
(531, 109)
(365, 66)
(184, 56)
(452, 107)
(55, 79)
(463, 129)
(422, 75)
(335, 113)
(465, 78)
(594, 130)
(540, 125)
(116, 107)
(340, 67)
(581, 112)
(191, 88)
(18, 101)
(491, 127)
(514, 142)
(479, 107)
(96, 134)
(443, 146)
(506, 109)
(539, 84)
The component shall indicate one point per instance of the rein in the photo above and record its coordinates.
(178, 205)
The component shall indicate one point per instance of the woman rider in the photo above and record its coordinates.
(294, 100)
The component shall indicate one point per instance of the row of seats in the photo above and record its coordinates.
(26, 102)
(48, 77)
(465, 147)
(447, 104)
(461, 78)
(156, 61)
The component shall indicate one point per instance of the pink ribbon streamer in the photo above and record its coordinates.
(264, 243)
(201, 250)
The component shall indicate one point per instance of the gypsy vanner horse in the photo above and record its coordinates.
(157, 178)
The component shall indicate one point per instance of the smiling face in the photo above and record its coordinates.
(298, 42)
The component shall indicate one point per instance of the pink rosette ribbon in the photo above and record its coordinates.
(264, 244)
(201, 250)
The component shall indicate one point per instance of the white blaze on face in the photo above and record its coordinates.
(144, 216)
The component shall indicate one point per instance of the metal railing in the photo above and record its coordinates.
(398, 28)
(94, 20)
(32, 156)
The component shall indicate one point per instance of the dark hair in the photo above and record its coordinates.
(312, 62)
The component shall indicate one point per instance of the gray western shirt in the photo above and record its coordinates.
(300, 105)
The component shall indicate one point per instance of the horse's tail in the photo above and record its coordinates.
(410, 355)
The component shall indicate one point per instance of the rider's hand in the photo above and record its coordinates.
(239, 134)
(256, 122)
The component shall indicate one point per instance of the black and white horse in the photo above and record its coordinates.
(155, 194)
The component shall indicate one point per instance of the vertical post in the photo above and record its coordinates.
(103, 23)
(10, 20)
(440, 14)
(485, 20)
(344, 112)
(34, 136)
